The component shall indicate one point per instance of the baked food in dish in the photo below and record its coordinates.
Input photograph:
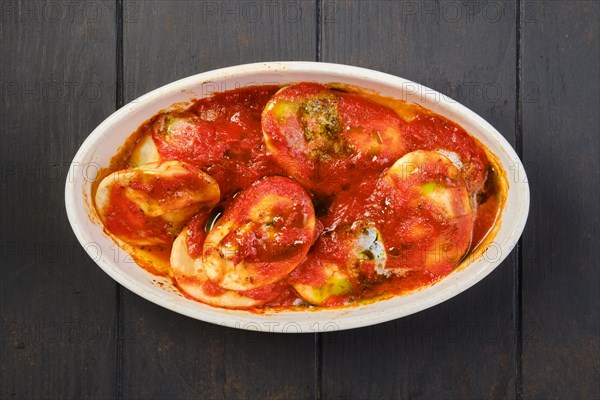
(308, 195)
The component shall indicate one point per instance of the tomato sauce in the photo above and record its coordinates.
(125, 219)
(311, 113)
(431, 132)
(222, 135)
(225, 138)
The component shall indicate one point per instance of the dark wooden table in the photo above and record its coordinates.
(529, 330)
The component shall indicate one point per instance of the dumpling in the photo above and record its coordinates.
(434, 133)
(331, 277)
(144, 152)
(150, 204)
(325, 137)
(435, 217)
(262, 236)
(190, 275)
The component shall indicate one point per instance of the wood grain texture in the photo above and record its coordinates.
(561, 140)
(166, 355)
(58, 311)
(56, 306)
(166, 40)
(463, 348)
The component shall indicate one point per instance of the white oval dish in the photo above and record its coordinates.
(103, 142)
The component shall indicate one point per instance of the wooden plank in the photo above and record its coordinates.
(463, 348)
(166, 355)
(561, 296)
(194, 38)
(57, 306)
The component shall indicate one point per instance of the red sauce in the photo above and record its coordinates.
(126, 220)
(197, 234)
(268, 292)
(160, 190)
(222, 135)
(431, 132)
(370, 137)
(212, 289)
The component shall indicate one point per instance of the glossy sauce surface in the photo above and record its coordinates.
(347, 179)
